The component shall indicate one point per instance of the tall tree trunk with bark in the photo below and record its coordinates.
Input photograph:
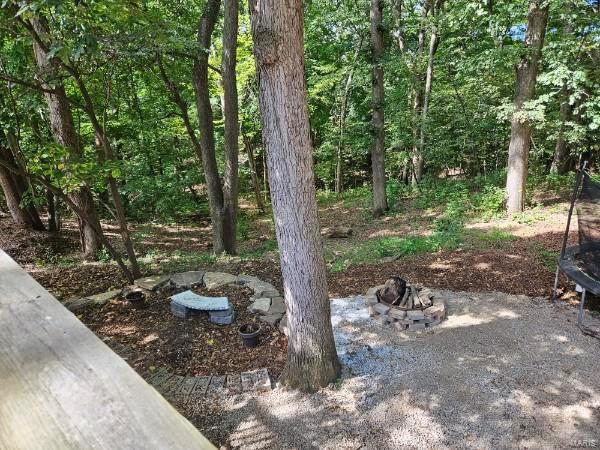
(14, 187)
(231, 123)
(520, 135)
(378, 150)
(205, 119)
(277, 30)
(63, 130)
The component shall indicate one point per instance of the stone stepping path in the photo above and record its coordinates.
(193, 388)
(267, 301)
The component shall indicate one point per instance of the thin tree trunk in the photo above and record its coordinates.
(433, 44)
(561, 151)
(231, 124)
(277, 30)
(343, 106)
(417, 99)
(53, 216)
(205, 119)
(520, 137)
(107, 153)
(255, 184)
(378, 150)
(63, 130)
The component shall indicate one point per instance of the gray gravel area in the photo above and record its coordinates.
(502, 371)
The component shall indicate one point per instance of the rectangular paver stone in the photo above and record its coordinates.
(217, 384)
(381, 308)
(234, 384)
(219, 318)
(200, 386)
(159, 377)
(397, 313)
(187, 386)
(263, 380)
(172, 385)
(415, 314)
(248, 381)
(183, 312)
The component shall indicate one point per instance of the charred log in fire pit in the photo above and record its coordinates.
(399, 293)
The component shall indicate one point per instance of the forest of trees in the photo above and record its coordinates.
(169, 111)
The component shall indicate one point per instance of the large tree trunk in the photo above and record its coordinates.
(378, 150)
(231, 124)
(277, 29)
(63, 130)
(561, 151)
(520, 135)
(14, 187)
(205, 119)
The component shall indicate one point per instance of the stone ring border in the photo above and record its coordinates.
(417, 319)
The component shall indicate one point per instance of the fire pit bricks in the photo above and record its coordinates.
(414, 319)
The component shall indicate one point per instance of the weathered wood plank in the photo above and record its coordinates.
(62, 387)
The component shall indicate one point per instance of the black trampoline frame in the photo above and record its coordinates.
(567, 260)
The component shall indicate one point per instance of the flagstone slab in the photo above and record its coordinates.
(153, 282)
(214, 280)
(102, 298)
(186, 280)
(260, 305)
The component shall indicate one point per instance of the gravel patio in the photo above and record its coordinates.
(501, 371)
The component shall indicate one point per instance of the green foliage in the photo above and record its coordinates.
(104, 255)
(549, 257)
(493, 238)
(490, 202)
(243, 226)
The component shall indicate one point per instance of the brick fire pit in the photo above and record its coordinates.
(403, 319)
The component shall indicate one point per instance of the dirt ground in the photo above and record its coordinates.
(152, 337)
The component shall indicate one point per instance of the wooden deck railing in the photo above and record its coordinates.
(61, 387)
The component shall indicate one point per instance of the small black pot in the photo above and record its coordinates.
(249, 333)
(135, 299)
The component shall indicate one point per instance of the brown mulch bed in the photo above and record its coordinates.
(191, 346)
